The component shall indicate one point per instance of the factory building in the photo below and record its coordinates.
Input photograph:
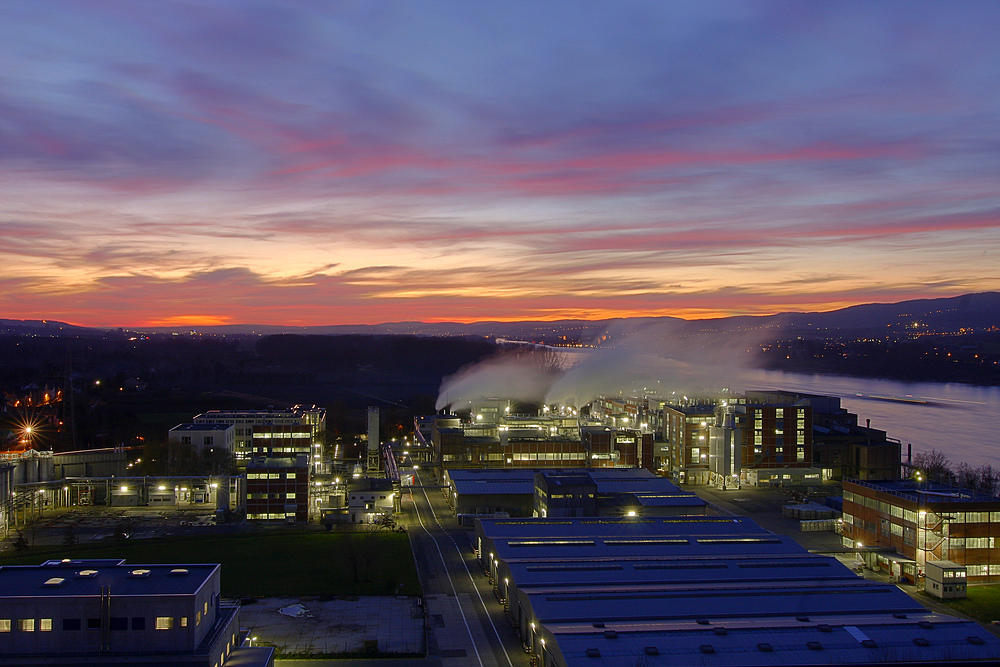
(840, 447)
(207, 440)
(922, 522)
(104, 612)
(703, 590)
(595, 492)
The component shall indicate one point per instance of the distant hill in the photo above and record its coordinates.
(45, 327)
(946, 315)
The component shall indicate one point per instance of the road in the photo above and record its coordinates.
(467, 625)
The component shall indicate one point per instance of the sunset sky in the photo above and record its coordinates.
(196, 163)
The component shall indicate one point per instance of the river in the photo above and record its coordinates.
(963, 421)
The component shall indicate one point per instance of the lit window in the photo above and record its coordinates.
(26, 624)
(184, 621)
(164, 622)
(4, 625)
(206, 608)
(197, 618)
(45, 625)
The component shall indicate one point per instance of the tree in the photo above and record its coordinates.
(966, 476)
(69, 535)
(988, 479)
(21, 542)
(934, 464)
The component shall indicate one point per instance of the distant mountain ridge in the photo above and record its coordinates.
(977, 311)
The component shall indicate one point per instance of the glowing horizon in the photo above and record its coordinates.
(276, 164)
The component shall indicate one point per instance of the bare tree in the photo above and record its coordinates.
(988, 479)
(966, 476)
(934, 464)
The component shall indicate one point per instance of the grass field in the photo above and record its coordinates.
(269, 564)
(982, 604)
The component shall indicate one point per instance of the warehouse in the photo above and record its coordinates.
(718, 590)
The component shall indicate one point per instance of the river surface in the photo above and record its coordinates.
(961, 420)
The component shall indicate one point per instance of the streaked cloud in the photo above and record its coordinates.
(268, 162)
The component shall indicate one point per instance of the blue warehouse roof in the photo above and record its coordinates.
(86, 577)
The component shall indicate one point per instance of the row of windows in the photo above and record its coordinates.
(270, 475)
(911, 516)
(270, 496)
(116, 623)
(266, 516)
(282, 450)
(972, 543)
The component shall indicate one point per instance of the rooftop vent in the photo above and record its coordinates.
(54, 581)
(86, 574)
(179, 571)
(974, 640)
(703, 621)
(815, 646)
(706, 648)
(651, 650)
(869, 643)
(720, 631)
(920, 641)
(598, 624)
(802, 619)
(823, 627)
(765, 647)
(593, 653)
(899, 615)
(926, 625)
(139, 573)
(610, 634)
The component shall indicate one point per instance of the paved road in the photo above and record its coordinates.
(467, 623)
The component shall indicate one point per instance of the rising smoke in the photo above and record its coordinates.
(653, 357)
(519, 375)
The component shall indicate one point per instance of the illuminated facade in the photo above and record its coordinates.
(686, 431)
(246, 420)
(278, 489)
(924, 521)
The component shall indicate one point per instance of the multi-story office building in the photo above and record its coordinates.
(288, 441)
(278, 489)
(686, 431)
(104, 612)
(922, 522)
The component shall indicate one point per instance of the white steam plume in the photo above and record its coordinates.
(516, 377)
(649, 356)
